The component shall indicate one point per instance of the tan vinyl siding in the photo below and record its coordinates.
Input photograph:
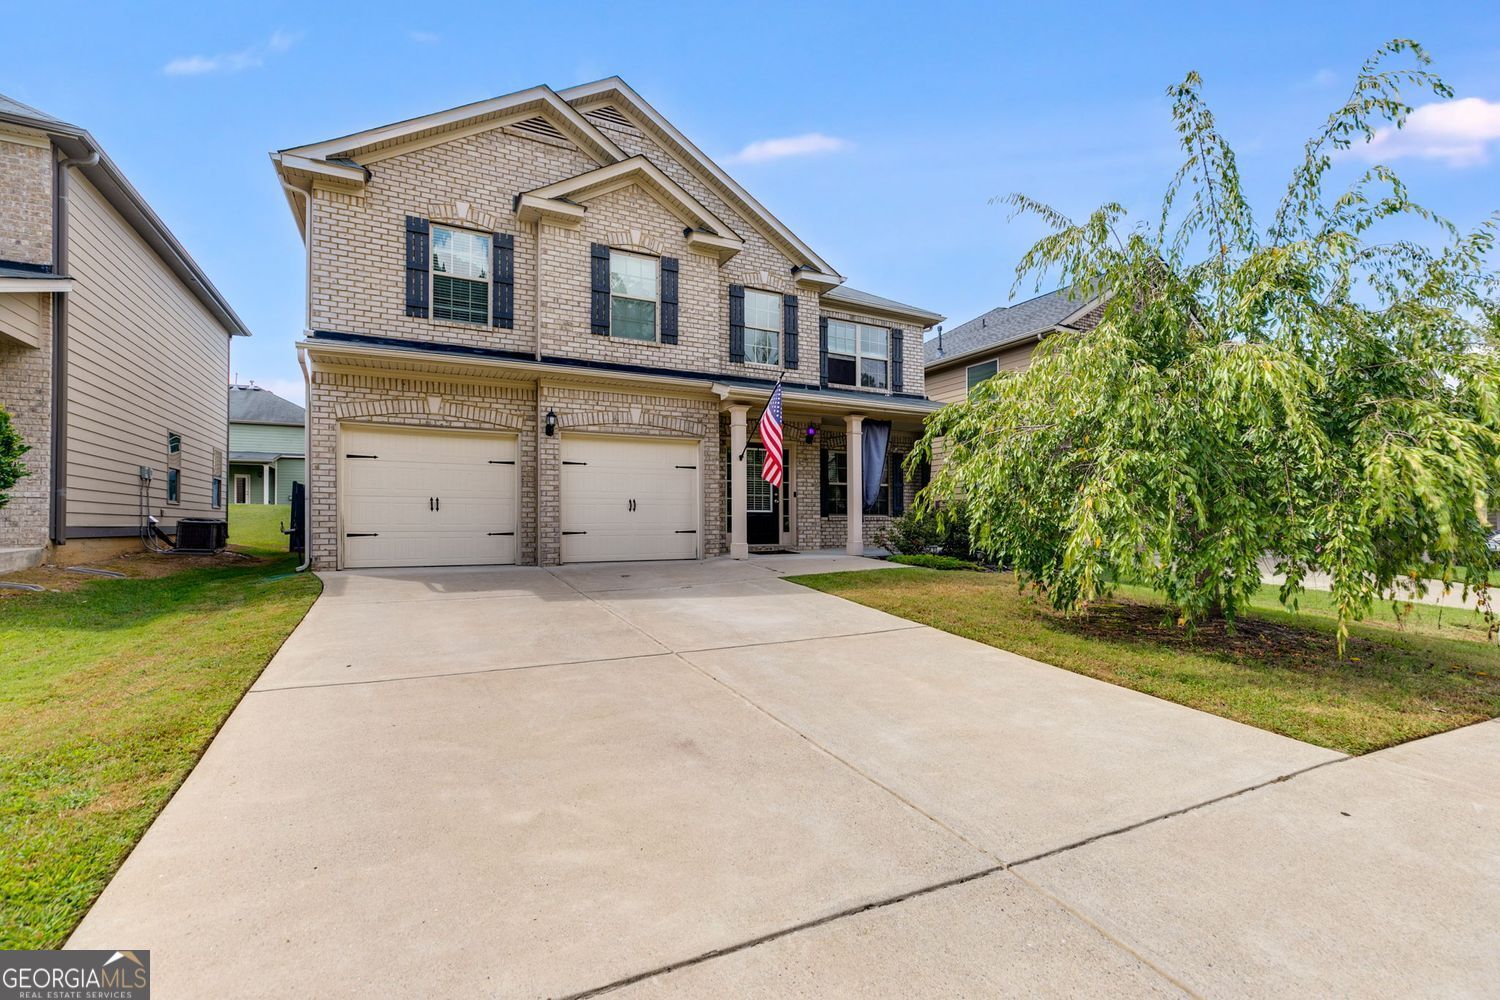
(145, 359)
(278, 439)
(951, 385)
(21, 318)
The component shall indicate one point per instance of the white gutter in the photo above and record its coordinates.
(307, 393)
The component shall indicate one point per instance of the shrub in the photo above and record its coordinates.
(11, 450)
(927, 561)
(910, 534)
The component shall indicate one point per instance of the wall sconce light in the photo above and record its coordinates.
(551, 423)
(812, 433)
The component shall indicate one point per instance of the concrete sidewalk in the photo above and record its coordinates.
(697, 779)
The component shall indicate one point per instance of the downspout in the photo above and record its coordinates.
(536, 316)
(307, 394)
(58, 512)
(307, 461)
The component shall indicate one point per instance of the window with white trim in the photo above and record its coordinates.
(858, 354)
(460, 275)
(762, 327)
(633, 296)
(976, 374)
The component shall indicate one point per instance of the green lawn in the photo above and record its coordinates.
(256, 527)
(108, 696)
(1277, 670)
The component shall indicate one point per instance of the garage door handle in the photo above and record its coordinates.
(493, 533)
(361, 534)
(566, 462)
(688, 531)
(361, 456)
(575, 532)
(501, 461)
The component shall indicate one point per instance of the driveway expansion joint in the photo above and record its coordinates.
(784, 932)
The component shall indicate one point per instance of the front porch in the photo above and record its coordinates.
(832, 449)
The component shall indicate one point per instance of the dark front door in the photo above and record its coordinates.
(764, 504)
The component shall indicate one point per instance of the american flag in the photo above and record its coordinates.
(770, 437)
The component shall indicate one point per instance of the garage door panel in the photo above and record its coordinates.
(390, 518)
(625, 499)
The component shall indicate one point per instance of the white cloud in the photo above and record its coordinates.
(810, 144)
(1324, 77)
(231, 62)
(424, 37)
(1459, 133)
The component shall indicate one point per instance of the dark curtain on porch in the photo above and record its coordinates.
(877, 437)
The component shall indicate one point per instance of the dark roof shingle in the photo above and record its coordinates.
(252, 404)
(1005, 325)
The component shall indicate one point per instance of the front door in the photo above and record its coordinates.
(764, 504)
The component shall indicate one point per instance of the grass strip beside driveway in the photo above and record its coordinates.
(1277, 670)
(109, 694)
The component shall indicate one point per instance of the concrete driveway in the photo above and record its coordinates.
(698, 779)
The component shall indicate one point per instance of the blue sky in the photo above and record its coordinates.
(918, 113)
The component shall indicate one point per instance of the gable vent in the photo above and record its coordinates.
(609, 115)
(539, 126)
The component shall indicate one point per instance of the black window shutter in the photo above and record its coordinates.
(898, 486)
(823, 351)
(898, 359)
(504, 287)
(823, 499)
(737, 323)
(789, 331)
(669, 300)
(418, 260)
(599, 289)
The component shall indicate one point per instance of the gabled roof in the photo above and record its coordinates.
(865, 301)
(562, 201)
(1015, 324)
(617, 91)
(541, 100)
(77, 143)
(250, 404)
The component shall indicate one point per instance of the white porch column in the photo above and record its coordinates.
(739, 493)
(265, 484)
(854, 455)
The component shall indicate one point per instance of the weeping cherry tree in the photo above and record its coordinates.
(1311, 392)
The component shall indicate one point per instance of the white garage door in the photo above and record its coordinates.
(627, 498)
(427, 498)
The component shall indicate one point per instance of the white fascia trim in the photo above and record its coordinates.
(321, 168)
(818, 401)
(708, 166)
(453, 116)
(894, 311)
(36, 285)
(530, 208)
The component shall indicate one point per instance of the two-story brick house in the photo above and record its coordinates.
(540, 329)
(114, 352)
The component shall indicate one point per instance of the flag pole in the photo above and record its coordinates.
(762, 414)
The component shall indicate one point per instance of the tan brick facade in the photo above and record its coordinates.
(473, 181)
(26, 370)
(26, 394)
(25, 198)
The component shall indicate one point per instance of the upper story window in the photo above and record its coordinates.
(762, 327)
(460, 275)
(632, 289)
(978, 373)
(174, 443)
(858, 354)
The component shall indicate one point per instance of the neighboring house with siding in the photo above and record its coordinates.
(541, 329)
(266, 443)
(114, 351)
(1002, 339)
